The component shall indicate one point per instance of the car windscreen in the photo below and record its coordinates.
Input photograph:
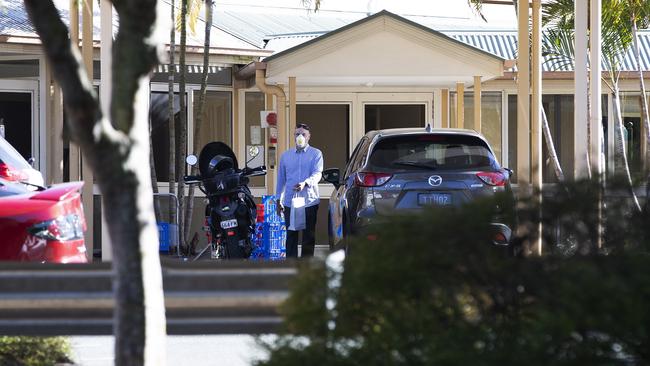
(11, 157)
(432, 151)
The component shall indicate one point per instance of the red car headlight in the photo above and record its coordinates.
(64, 228)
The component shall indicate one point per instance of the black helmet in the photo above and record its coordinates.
(211, 151)
(219, 163)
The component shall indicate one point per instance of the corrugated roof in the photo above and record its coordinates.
(14, 21)
(499, 43)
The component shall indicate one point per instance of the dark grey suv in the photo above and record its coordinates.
(401, 170)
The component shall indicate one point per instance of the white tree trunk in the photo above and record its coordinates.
(621, 154)
(115, 149)
(550, 146)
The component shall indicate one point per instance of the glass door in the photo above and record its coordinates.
(18, 116)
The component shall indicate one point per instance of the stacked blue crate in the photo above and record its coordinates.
(270, 235)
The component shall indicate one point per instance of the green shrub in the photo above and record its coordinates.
(33, 351)
(431, 290)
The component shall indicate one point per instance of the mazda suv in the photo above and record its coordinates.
(405, 170)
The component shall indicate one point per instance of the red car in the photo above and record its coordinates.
(43, 226)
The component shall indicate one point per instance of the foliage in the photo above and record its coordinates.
(33, 351)
(431, 290)
(193, 15)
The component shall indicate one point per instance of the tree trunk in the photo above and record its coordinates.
(199, 115)
(172, 118)
(114, 149)
(550, 146)
(621, 154)
(645, 119)
(182, 146)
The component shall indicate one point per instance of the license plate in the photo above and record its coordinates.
(229, 224)
(438, 199)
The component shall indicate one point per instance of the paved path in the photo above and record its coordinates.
(200, 350)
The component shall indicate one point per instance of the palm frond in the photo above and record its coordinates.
(477, 5)
(558, 48)
(193, 15)
(311, 4)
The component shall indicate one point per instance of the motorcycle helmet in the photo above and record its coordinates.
(210, 151)
(218, 164)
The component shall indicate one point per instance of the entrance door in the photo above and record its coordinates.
(17, 116)
(392, 110)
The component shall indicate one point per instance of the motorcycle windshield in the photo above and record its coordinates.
(211, 150)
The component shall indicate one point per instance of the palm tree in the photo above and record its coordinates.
(199, 111)
(616, 41)
(477, 5)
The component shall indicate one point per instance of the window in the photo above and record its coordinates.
(254, 103)
(491, 117)
(559, 113)
(384, 116)
(633, 132)
(440, 152)
(216, 124)
(329, 127)
(159, 119)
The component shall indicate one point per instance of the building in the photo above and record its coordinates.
(343, 74)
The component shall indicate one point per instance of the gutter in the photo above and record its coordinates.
(259, 69)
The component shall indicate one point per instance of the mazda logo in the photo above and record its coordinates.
(435, 180)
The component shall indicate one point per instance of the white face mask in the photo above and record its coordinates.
(301, 141)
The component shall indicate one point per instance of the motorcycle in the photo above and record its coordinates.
(231, 211)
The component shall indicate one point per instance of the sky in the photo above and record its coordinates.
(496, 15)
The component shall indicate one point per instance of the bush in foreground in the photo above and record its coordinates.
(431, 290)
(33, 351)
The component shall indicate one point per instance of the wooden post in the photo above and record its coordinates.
(74, 155)
(292, 105)
(580, 119)
(536, 125)
(460, 105)
(444, 106)
(55, 132)
(87, 174)
(523, 105)
(105, 90)
(477, 104)
(597, 133)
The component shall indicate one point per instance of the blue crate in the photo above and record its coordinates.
(271, 211)
(269, 241)
(163, 237)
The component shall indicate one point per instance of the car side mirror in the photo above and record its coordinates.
(31, 161)
(510, 172)
(332, 175)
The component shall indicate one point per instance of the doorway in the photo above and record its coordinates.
(16, 121)
(384, 116)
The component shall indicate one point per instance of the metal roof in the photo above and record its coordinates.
(370, 18)
(500, 43)
(14, 21)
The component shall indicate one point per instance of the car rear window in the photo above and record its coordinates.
(434, 151)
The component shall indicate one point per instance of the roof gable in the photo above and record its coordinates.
(386, 49)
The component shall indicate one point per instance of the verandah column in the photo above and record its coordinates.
(477, 103)
(536, 118)
(460, 105)
(580, 119)
(523, 105)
